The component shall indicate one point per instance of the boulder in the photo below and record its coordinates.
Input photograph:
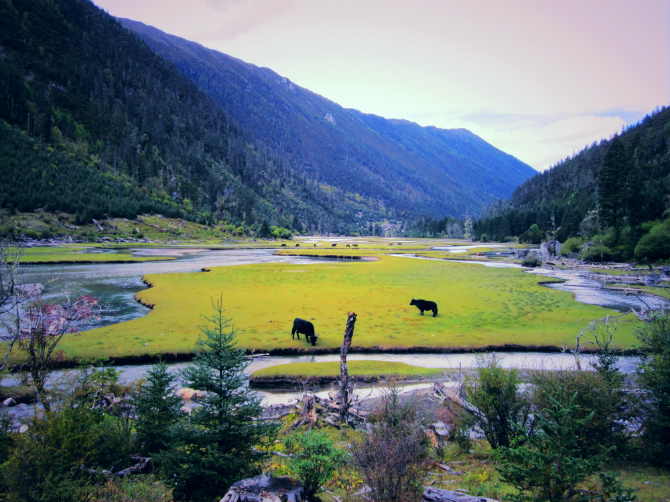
(188, 394)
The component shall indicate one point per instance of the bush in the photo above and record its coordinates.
(315, 459)
(50, 460)
(532, 261)
(593, 396)
(136, 488)
(549, 466)
(654, 378)
(656, 244)
(499, 407)
(571, 246)
(393, 453)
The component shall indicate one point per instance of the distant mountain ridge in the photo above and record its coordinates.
(412, 169)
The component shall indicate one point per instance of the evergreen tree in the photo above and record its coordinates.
(221, 443)
(158, 409)
(611, 183)
(548, 467)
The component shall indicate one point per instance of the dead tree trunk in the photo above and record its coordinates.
(344, 372)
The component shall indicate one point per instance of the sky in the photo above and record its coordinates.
(539, 79)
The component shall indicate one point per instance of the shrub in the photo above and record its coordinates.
(571, 246)
(315, 459)
(594, 397)
(656, 244)
(497, 404)
(532, 261)
(548, 467)
(654, 378)
(393, 453)
(136, 488)
(50, 460)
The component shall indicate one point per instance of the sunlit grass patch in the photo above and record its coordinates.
(80, 253)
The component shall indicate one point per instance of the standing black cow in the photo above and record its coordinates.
(425, 305)
(304, 327)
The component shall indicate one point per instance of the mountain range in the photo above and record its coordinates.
(422, 170)
(152, 122)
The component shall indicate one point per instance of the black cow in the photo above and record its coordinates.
(306, 328)
(425, 305)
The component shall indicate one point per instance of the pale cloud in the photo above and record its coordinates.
(241, 17)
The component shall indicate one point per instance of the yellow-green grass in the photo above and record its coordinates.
(79, 253)
(369, 369)
(478, 307)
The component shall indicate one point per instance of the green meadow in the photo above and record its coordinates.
(369, 369)
(78, 253)
(478, 307)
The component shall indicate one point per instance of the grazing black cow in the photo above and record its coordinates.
(425, 305)
(306, 328)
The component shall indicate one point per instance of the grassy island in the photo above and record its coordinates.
(479, 307)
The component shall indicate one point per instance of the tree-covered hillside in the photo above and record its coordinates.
(616, 191)
(411, 170)
(76, 81)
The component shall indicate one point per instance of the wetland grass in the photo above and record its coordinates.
(368, 369)
(479, 307)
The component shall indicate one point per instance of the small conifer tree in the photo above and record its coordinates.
(220, 443)
(158, 410)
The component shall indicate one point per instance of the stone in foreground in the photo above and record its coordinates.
(266, 488)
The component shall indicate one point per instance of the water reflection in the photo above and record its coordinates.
(115, 284)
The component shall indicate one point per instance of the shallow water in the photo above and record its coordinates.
(115, 284)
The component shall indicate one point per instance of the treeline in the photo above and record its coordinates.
(614, 191)
(81, 191)
(74, 79)
(446, 227)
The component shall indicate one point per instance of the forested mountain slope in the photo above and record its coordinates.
(415, 170)
(77, 82)
(617, 190)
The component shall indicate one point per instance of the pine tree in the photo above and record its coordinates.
(158, 410)
(548, 467)
(221, 443)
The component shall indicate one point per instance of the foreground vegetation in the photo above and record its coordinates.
(478, 307)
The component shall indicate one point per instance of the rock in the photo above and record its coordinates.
(439, 495)
(23, 428)
(441, 429)
(266, 488)
(9, 402)
(188, 394)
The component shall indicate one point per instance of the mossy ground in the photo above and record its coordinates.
(478, 307)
